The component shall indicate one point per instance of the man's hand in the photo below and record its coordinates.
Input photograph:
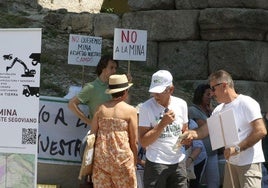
(188, 136)
(228, 152)
(168, 117)
(195, 134)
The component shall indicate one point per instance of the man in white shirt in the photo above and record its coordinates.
(246, 156)
(162, 119)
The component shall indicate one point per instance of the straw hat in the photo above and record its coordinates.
(117, 83)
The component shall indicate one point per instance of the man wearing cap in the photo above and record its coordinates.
(162, 119)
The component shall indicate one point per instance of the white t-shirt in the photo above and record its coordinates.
(246, 110)
(150, 114)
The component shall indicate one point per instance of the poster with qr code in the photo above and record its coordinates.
(20, 51)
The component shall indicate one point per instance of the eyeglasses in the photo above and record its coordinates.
(213, 87)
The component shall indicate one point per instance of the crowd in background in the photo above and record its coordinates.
(169, 140)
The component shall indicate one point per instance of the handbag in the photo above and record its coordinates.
(87, 161)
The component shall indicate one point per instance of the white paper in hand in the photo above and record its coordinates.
(222, 133)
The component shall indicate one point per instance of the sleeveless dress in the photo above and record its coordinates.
(113, 165)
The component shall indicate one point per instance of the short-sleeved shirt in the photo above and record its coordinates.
(246, 110)
(93, 94)
(150, 114)
(265, 140)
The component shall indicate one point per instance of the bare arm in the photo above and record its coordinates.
(195, 134)
(258, 132)
(94, 123)
(201, 122)
(185, 127)
(149, 135)
(73, 106)
(133, 134)
(195, 152)
(200, 132)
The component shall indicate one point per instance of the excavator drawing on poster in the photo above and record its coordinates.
(7, 57)
(27, 72)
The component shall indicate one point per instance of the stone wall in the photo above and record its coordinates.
(73, 5)
(191, 38)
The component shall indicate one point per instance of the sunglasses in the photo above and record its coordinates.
(213, 87)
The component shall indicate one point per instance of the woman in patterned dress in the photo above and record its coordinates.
(116, 145)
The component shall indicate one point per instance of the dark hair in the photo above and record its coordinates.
(119, 94)
(103, 63)
(199, 93)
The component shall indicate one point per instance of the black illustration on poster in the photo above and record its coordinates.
(27, 72)
(27, 89)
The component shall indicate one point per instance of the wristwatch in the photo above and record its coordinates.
(237, 149)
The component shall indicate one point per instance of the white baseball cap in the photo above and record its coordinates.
(160, 81)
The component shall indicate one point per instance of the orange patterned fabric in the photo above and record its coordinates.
(113, 159)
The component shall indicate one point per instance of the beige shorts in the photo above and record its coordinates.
(248, 176)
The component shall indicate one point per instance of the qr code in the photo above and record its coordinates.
(29, 136)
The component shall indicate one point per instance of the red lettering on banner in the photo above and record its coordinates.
(129, 36)
(75, 39)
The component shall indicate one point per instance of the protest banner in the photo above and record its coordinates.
(60, 132)
(130, 44)
(222, 129)
(84, 50)
(223, 133)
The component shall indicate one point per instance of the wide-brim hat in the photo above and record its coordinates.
(117, 83)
